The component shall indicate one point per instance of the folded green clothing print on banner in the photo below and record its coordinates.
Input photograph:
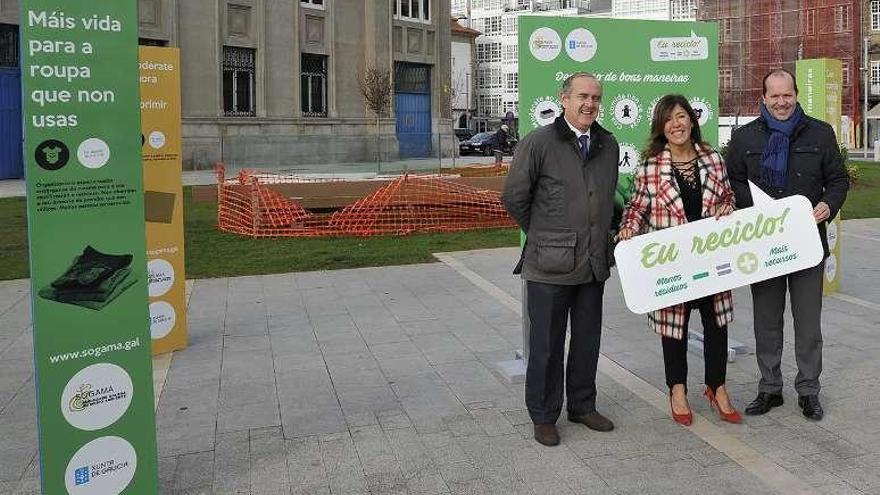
(91, 268)
(93, 281)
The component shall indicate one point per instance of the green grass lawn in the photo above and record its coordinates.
(211, 253)
(14, 241)
(863, 200)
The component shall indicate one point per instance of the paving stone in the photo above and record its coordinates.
(427, 483)
(195, 472)
(268, 453)
(306, 422)
(380, 381)
(393, 418)
(306, 467)
(257, 415)
(412, 456)
(493, 422)
(341, 464)
(374, 451)
(442, 348)
(232, 463)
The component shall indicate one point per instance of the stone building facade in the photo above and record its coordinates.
(274, 82)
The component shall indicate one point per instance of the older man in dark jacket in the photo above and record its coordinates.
(786, 152)
(560, 190)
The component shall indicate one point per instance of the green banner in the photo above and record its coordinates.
(88, 271)
(637, 63)
(820, 82)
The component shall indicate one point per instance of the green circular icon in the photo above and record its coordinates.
(747, 263)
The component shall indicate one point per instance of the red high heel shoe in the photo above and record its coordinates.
(731, 417)
(682, 419)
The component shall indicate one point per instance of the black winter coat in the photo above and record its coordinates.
(815, 166)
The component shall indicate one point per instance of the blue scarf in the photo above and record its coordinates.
(774, 161)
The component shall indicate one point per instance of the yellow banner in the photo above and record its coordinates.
(163, 195)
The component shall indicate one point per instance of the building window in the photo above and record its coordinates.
(841, 18)
(8, 45)
(416, 10)
(492, 26)
(875, 72)
(513, 81)
(683, 10)
(875, 15)
(726, 29)
(489, 52)
(509, 26)
(313, 85)
(510, 54)
(844, 73)
(317, 4)
(239, 69)
(489, 106)
(725, 78)
(809, 17)
(151, 42)
(489, 78)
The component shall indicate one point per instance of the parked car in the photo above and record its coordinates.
(479, 144)
(463, 134)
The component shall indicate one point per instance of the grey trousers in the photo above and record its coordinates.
(768, 298)
(549, 308)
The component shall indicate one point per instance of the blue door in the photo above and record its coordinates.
(412, 106)
(11, 166)
(413, 124)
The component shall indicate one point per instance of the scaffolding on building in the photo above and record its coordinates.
(757, 36)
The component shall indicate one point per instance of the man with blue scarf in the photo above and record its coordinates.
(785, 152)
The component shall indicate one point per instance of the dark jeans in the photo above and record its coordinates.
(549, 308)
(714, 349)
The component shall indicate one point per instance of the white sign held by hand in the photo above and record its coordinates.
(679, 264)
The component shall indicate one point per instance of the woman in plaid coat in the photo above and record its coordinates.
(683, 180)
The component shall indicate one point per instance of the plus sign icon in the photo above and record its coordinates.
(748, 263)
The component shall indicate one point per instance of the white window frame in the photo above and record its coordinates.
(511, 82)
(510, 54)
(875, 72)
(509, 25)
(841, 18)
(875, 15)
(311, 4)
(810, 22)
(492, 26)
(725, 32)
(725, 78)
(423, 17)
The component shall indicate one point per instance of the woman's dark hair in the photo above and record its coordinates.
(662, 111)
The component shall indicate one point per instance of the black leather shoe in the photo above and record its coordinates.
(763, 403)
(593, 421)
(811, 407)
(547, 435)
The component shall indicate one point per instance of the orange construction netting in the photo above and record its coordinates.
(252, 204)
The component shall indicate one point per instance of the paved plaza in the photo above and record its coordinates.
(381, 380)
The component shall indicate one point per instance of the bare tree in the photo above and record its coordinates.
(375, 85)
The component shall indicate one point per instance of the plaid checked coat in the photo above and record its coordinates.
(656, 204)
